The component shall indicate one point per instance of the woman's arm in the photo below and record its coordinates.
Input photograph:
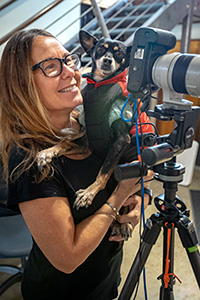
(52, 226)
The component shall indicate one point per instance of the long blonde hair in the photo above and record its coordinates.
(24, 121)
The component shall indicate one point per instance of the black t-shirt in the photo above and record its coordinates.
(41, 280)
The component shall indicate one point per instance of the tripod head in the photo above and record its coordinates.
(178, 140)
(165, 148)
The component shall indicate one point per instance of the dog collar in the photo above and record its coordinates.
(120, 78)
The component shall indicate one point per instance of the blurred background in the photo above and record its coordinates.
(119, 20)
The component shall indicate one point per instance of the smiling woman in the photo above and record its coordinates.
(73, 256)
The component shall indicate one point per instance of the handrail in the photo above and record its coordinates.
(6, 4)
(31, 20)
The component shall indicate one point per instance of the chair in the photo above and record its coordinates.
(15, 242)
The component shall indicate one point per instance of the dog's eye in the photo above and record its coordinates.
(119, 54)
(101, 50)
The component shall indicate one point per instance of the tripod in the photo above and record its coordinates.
(172, 214)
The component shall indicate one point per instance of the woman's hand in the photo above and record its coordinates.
(134, 202)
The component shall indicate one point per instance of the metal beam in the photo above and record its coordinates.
(186, 29)
(100, 18)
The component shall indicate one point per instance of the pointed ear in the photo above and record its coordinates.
(125, 64)
(87, 41)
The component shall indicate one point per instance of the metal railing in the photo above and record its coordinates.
(4, 5)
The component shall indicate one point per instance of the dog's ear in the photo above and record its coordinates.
(87, 40)
(126, 60)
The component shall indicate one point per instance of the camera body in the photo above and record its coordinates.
(151, 66)
(148, 45)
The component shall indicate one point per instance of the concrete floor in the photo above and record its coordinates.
(188, 289)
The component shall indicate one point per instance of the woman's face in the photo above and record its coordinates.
(61, 94)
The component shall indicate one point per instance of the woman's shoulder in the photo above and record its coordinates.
(21, 163)
(17, 155)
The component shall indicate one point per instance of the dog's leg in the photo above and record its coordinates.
(85, 197)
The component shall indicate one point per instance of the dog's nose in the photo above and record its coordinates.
(107, 61)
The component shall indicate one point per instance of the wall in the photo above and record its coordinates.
(22, 10)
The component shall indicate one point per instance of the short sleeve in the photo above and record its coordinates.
(26, 187)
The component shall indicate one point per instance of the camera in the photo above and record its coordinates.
(150, 65)
(177, 74)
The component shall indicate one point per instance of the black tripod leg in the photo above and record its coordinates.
(189, 240)
(150, 235)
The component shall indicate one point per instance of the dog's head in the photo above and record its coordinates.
(108, 55)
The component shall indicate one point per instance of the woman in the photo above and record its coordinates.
(73, 256)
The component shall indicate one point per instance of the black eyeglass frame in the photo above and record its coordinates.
(61, 60)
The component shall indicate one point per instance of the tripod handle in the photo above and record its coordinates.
(132, 170)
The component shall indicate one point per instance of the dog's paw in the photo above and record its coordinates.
(124, 229)
(44, 157)
(84, 198)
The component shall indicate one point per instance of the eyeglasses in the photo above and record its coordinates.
(53, 67)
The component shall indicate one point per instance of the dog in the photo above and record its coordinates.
(103, 97)
(110, 58)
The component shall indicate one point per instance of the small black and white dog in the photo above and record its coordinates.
(103, 97)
